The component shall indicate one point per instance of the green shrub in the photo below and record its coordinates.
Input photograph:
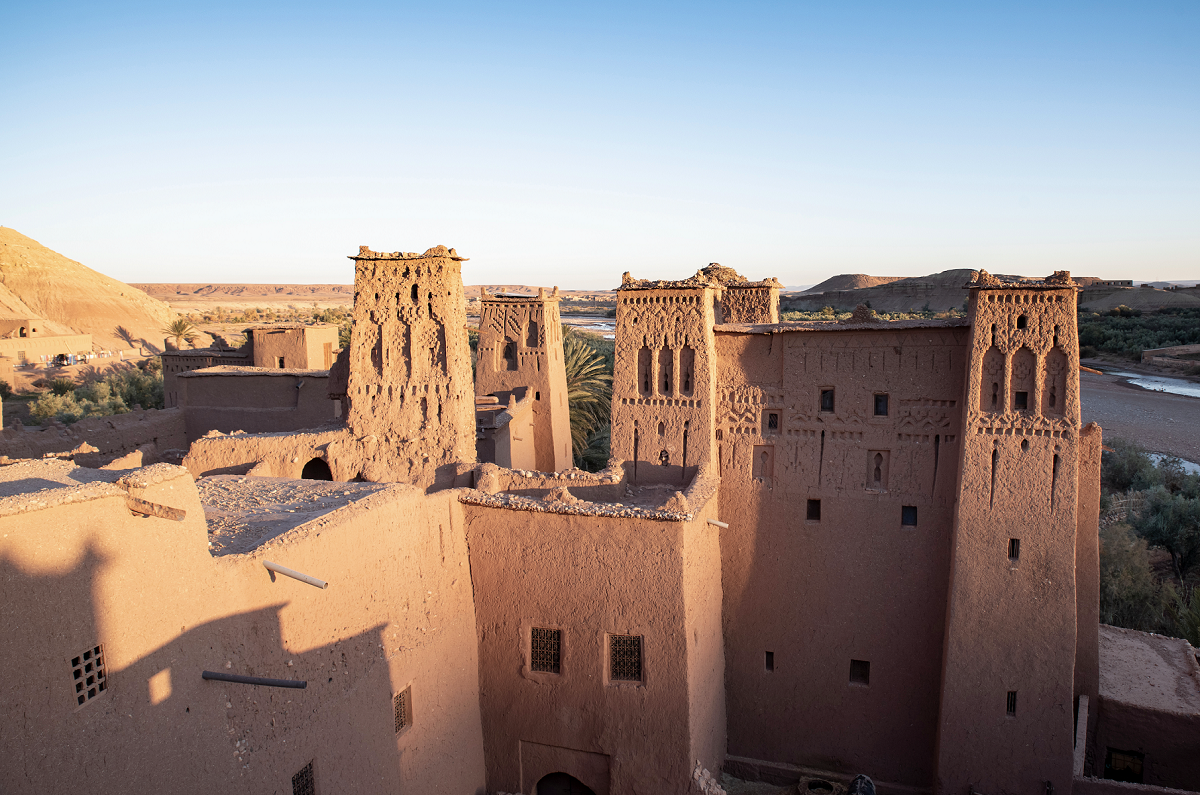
(1130, 596)
(1127, 466)
(116, 393)
(6, 390)
(62, 386)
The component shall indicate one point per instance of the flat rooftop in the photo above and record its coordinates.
(244, 512)
(1148, 671)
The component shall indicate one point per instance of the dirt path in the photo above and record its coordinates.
(1159, 421)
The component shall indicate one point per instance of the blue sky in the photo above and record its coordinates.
(564, 144)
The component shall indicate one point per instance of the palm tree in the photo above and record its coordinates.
(589, 398)
(179, 330)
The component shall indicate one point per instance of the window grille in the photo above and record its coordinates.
(772, 421)
(545, 648)
(881, 405)
(826, 400)
(402, 707)
(304, 783)
(860, 672)
(1011, 707)
(88, 674)
(625, 658)
(1014, 549)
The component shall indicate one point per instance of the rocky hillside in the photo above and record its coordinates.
(38, 282)
(850, 281)
(940, 291)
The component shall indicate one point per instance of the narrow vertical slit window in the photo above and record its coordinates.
(827, 399)
(1011, 705)
(769, 661)
(881, 405)
(814, 511)
(1014, 549)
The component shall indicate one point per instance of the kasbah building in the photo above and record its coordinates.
(818, 550)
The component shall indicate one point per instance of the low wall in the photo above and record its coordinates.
(112, 437)
(255, 401)
(1155, 354)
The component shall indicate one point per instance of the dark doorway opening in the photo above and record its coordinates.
(316, 469)
(562, 784)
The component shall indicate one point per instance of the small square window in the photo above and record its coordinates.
(827, 399)
(402, 709)
(625, 658)
(304, 782)
(1124, 766)
(769, 661)
(814, 511)
(881, 405)
(860, 672)
(1021, 401)
(545, 650)
(1014, 549)
(908, 515)
(1011, 705)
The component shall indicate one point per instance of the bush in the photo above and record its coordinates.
(6, 390)
(62, 386)
(1127, 466)
(1130, 596)
(116, 393)
(1171, 522)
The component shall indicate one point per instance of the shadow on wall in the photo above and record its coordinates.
(155, 721)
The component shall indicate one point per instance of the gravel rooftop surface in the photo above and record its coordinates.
(244, 512)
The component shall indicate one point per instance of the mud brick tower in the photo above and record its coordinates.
(520, 345)
(1010, 648)
(410, 367)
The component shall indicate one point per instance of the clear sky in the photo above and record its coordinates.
(560, 143)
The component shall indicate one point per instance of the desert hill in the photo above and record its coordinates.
(38, 282)
(850, 281)
(940, 291)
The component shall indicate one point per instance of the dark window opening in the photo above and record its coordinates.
(664, 458)
(510, 355)
(826, 400)
(1011, 705)
(562, 784)
(770, 661)
(1124, 766)
(814, 510)
(1014, 549)
(545, 650)
(881, 405)
(537, 395)
(316, 469)
(995, 395)
(416, 294)
(1053, 397)
(1022, 321)
(878, 473)
(908, 515)
(625, 658)
(1021, 401)
(772, 422)
(304, 783)
(281, 365)
(860, 672)
(402, 709)
(89, 675)
(1024, 444)
(662, 428)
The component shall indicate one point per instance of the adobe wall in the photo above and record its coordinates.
(112, 436)
(589, 576)
(33, 348)
(757, 304)
(175, 363)
(663, 382)
(1012, 623)
(855, 584)
(521, 345)
(1087, 571)
(410, 383)
(77, 570)
(300, 348)
(256, 401)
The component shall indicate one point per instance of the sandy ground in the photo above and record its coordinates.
(1160, 422)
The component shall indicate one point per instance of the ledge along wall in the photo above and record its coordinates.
(589, 577)
(855, 583)
(397, 615)
(1010, 647)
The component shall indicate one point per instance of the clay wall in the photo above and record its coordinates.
(520, 345)
(1087, 571)
(758, 304)
(854, 582)
(78, 571)
(256, 401)
(31, 349)
(663, 383)
(1167, 739)
(297, 347)
(175, 363)
(410, 382)
(591, 577)
(504, 431)
(1007, 703)
(21, 328)
(107, 437)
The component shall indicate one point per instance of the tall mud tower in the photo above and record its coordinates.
(1007, 702)
(521, 345)
(665, 375)
(411, 397)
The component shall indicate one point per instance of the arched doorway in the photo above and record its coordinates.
(562, 784)
(316, 469)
